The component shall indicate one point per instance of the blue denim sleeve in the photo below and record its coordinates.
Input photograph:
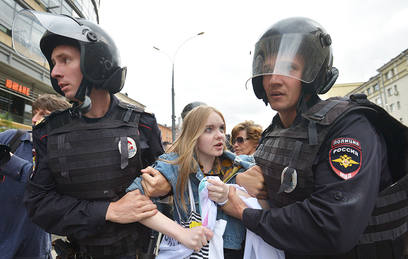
(136, 185)
(169, 171)
(246, 161)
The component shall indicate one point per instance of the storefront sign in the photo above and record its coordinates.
(17, 87)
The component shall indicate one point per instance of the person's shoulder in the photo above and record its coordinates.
(148, 116)
(128, 106)
(352, 116)
(5, 136)
(52, 118)
(169, 156)
(232, 156)
(145, 117)
(247, 158)
(148, 120)
(166, 164)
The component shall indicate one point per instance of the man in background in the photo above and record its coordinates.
(19, 237)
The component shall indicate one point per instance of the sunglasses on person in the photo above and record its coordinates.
(239, 140)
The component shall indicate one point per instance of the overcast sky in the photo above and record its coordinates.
(214, 67)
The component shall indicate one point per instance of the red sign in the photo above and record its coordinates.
(17, 87)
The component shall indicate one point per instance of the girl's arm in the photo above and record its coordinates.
(193, 238)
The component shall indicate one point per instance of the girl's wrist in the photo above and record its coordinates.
(223, 203)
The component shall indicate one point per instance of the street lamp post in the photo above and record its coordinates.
(172, 60)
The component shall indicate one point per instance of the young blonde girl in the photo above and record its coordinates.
(198, 152)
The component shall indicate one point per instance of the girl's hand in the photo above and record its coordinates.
(195, 238)
(218, 191)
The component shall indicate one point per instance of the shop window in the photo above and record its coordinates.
(17, 109)
(28, 113)
(5, 102)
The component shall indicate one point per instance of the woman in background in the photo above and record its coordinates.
(245, 137)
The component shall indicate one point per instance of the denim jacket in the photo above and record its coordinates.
(234, 232)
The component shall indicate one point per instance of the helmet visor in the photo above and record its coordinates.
(29, 27)
(294, 55)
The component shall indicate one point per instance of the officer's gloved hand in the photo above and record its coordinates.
(4, 154)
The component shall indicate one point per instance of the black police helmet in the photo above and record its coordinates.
(100, 59)
(292, 38)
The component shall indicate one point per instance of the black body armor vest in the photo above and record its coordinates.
(284, 152)
(294, 149)
(96, 160)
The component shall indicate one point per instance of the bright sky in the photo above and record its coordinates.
(214, 67)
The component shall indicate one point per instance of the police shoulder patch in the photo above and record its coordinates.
(345, 157)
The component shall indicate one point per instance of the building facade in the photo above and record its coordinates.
(340, 90)
(22, 80)
(389, 88)
(165, 133)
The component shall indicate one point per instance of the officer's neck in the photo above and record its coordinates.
(100, 103)
(287, 118)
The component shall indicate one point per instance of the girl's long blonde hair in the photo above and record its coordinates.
(186, 144)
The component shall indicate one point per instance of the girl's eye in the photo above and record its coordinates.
(222, 129)
(208, 129)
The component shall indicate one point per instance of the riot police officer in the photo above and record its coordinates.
(323, 163)
(86, 156)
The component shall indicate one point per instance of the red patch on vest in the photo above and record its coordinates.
(345, 157)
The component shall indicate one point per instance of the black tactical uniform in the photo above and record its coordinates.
(328, 174)
(78, 172)
(82, 164)
(338, 181)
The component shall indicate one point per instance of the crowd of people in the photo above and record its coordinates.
(322, 175)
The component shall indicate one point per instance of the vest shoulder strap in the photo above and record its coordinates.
(130, 113)
(328, 111)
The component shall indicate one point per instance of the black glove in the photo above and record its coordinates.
(4, 154)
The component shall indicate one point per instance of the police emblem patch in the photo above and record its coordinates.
(132, 148)
(345, 157)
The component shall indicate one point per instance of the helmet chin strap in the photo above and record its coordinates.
(306, 100)
(301, 104)
(84, 103)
